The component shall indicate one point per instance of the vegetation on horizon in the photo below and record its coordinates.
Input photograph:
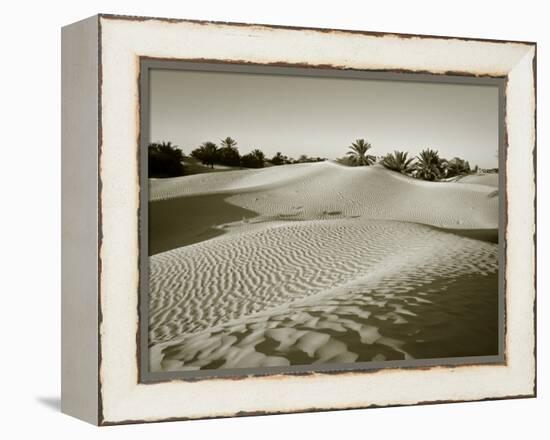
(165, 160)
(228, 154)
(254, 159)
(398, 161)
(458, 166)
(358, 153)
(207, 153)
(427, 165)
(168, 160)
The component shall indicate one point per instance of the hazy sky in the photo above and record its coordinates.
(322, 116)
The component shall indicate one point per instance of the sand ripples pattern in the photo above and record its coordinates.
(320, 291)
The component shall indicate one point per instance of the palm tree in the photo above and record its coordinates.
(278, 159)
(165, 160)
(458, 166)
(228, 154)
(229, 142)
(398, 161)
(358, 154)
(258, 155)
(254, 159)
(429, 165)
(207, 153)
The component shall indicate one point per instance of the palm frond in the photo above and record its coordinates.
(399, 161)
(358, 153)
(429, 165)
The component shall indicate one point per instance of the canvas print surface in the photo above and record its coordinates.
(300, 220)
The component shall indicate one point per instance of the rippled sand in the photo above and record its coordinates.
(335, 267)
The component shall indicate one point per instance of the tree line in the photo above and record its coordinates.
(167, 160)
(427, 165)
(228, 154)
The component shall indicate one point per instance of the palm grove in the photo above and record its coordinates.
(167, 160)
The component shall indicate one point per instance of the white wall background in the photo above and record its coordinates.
(30, 217)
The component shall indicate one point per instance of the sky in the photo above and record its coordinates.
(320, 117)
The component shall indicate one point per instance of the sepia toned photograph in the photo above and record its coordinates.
(308, 221)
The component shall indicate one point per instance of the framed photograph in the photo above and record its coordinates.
(264, 219)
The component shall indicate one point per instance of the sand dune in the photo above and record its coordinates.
(239, 180)
(325, 189)
(490, 179)
(339, 265)
(292, 282)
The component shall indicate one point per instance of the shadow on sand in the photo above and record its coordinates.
(183, 221)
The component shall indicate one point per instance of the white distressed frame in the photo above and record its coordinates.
(122, 41)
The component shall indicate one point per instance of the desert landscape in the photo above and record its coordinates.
(320, 263)
(305, 220)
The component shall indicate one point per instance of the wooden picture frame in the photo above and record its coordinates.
(104, 262)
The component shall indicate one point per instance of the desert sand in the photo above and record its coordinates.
(482, 179)
(320, 263)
